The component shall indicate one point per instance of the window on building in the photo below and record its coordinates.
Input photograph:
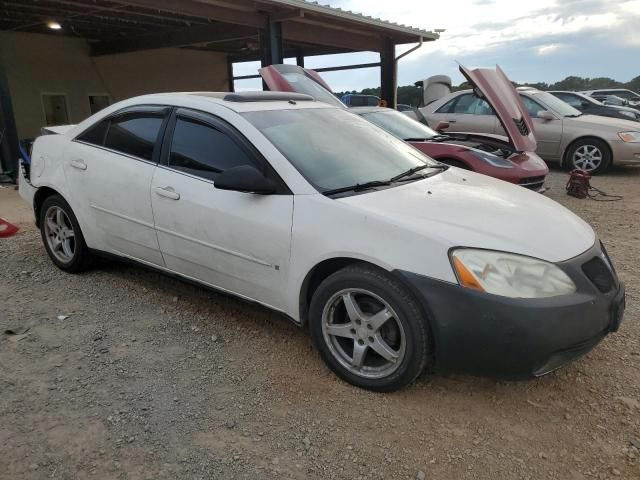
(55, 109)
(98, 102)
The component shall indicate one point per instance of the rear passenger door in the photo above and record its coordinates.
(467, 113)
(109, 169)
(234, 241)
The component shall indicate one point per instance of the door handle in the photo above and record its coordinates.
(452, 121)
(167, 192)
(79, 164)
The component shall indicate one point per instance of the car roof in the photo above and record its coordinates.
(236, 101)
(360, 110)
(580, 94)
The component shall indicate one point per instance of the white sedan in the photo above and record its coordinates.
(393, 261)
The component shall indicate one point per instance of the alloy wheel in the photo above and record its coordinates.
(587, 158)
(59, 234)
(363, 333)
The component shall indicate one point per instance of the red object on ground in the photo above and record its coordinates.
(7, 229)
(578, 185)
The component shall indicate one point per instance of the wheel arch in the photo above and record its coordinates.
(316, 276)
(38, 199)
(585, 137)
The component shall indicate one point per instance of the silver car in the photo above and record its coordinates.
(564, 134)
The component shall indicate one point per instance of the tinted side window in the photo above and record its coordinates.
(134, 134)
(478, 106)
(95, 135)
(532, 107)
(572, 100)
(203, 150)
(450, 105)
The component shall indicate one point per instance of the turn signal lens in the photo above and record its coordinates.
(631, 137)
(465, 277)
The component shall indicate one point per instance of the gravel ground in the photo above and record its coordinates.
(128, 374)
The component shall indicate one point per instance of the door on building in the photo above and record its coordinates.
(55, 109)
(98, 102)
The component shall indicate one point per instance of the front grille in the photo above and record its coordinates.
(600, 274)
(522, 126)
(533, 183)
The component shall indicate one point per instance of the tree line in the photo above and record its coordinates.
(412, 95)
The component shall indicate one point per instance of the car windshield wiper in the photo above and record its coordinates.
(574, 115)
(413, 170)
(358, 187)
(434, 138)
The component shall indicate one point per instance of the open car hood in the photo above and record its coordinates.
(497, 90)
(292, 78)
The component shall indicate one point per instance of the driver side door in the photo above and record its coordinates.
(234, 241)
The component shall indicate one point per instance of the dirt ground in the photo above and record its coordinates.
(128, 374)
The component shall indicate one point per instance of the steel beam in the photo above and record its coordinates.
(388, 73)
(8, 134)
(200, 34)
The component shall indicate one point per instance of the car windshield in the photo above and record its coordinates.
(334, 149)
(554, 103)
(399, 125)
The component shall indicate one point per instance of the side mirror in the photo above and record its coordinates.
(585, 104)
(442, 126)
(546, 115)
(245, 178)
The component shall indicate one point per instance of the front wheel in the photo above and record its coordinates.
(369, 329)
(589, 154)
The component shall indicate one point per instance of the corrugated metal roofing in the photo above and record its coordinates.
(357, 17)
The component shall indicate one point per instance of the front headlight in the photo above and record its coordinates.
(627, 113)
(631, 137)
(491, 159)
(509, 275)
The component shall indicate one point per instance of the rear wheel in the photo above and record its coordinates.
(588, 154)
(62, 237)
(369, 329)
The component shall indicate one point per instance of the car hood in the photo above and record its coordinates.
(462, 208)
(498, 91)
(609, 124)
(292, 78)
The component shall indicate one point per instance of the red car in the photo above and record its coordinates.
(512, 159)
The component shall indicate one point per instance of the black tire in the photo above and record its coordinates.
(589, 144)
(81, 259)
(409, 318)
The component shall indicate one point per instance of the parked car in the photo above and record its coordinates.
(393, 261)
(511, 159)
(563, 134)
(491, 155)
(611, 100)
(632, 98)
(591, 106)
(358, 100)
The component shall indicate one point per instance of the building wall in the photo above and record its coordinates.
(36, 64)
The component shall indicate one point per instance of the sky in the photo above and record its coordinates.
(533, 40)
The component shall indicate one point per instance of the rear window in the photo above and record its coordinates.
(134, 134)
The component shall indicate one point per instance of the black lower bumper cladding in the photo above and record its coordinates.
(483, 334)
